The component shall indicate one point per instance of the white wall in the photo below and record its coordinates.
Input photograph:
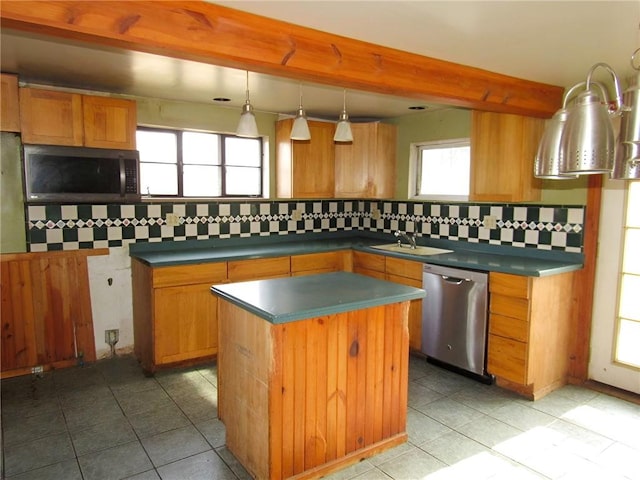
(111, 305)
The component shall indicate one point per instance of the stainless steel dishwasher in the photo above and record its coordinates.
(454, 319)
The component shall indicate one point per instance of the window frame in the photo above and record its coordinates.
(415, 167)
(178, 132)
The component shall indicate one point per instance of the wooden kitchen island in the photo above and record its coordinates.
(312, 371)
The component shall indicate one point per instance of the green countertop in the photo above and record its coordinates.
(532, 264)
(282, 300)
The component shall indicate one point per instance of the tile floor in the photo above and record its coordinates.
(109, 421)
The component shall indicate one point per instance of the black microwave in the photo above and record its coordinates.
(62, 174)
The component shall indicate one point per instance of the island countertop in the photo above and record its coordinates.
(288, 299)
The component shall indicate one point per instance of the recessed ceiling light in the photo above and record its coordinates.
(418, 107)
(221, 99)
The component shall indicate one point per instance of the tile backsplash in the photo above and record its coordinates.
(69, 227)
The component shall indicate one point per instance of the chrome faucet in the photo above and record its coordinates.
(411, 238)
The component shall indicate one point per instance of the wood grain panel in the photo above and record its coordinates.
(334, 382)
(503, 148)
(509, 306)
(415, 311)
(208, 33)
(109, 122)
(404, 268)
(185, 323)
(369, 261)
(245, 359)
(509, 327)
(189, 274)
(10, 105)
(509, 285)
(507, 358)
(46, 309)
(19, 347)
(51, 117)
(239, 270)
(318, 262)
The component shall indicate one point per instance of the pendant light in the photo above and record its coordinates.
(549, 155)
(300, 129)
(627, 164)
(588, 141)
(247, 126)
(343, 129)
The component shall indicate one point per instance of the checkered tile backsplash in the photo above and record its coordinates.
(69, 227)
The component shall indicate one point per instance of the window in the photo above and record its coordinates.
(440, 170)
(628, 322)
(199, 164)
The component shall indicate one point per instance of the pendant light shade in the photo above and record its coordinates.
(247, 126)
(579, 139)
(300, 129)
(588, 142)
(549, 156)
(627, 164)
(343, 128)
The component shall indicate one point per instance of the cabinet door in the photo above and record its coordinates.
(185, 323)
(382, 162)
(305, 168)
(352, 162)
(10, 106)
(18, 334)
(503, 148)
(365, 168)
(109, 122)
(369, 264)
(507, 358)
(51, 117)
(415, 310)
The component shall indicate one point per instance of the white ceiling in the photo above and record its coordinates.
(547, 41)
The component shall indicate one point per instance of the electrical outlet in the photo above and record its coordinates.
(38, 370)
(111, 337)
(172, 219)
(489, 221)
(296, 215)
(375, 214)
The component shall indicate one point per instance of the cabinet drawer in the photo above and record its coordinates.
(258, 268)
(404, 268)
(510, 285)
(510, 306)
(369, 273)
(325, 262)
(369, 261)
(509, 327)
(507, 358)
(189, 274)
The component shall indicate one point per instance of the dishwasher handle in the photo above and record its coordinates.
(454, 280)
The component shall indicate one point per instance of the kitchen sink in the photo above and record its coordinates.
(419, 250)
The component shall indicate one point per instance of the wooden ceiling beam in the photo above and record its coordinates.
(213, 34)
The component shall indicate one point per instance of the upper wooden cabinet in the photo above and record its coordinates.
(365, 168)
(109, 122)
(62, 118)
(503, 148)
(10, 106)
(305, 168)
(50, 117)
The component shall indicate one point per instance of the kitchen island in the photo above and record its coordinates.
(312, 371)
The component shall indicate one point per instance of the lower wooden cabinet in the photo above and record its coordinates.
(46, 310)
(186, 323)
(405, 272)
(175, 314)
(324, 262)
(529, 320)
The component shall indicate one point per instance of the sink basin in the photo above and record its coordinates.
(394, 247)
